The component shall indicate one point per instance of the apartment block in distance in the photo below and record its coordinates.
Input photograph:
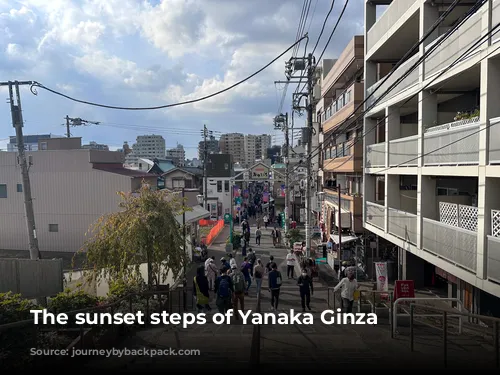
(71, 189)
(233, 144)
(342, 92)
(432, 147)
(146, 146)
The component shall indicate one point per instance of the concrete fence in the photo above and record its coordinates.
(31, 278)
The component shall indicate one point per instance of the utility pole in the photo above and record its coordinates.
(17, 123)
(72, 122)
(339, 226)
(310, 101)
(205, 155)
(281, 122)
(184, 278)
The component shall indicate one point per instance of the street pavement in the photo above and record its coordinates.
(296, 346)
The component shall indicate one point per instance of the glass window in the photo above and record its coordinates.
(219, 186)
(3, 190)
(19, 188)
(53, 228)
(226, 186)
(348, 97)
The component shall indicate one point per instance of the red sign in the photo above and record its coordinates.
(404, 289)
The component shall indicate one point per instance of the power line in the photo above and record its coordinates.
(323, 27)
(37, 84)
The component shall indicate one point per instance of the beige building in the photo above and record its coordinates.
(233, 144)
(70, 189)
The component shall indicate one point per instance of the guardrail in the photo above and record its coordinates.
(372, 301)
(400, 300)
(255, 348)
(445, 315)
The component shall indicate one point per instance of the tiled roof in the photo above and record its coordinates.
(119, 169)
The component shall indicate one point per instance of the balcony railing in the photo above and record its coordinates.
(403, 225)
(458, 144)
(493, 270)
(375, 215)
(458, 42)
(375, 155)
(495, 223)
(454, 244)
(458, 215)
(494, 142)
(406, 83)
(404, 152)
(390, 17)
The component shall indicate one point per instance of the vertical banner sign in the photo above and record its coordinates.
(236, 191)
(282, 193)
(382, 282)
(265, 197)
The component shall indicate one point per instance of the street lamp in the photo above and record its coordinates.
(199, 198)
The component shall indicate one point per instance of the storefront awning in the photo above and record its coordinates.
(345, 239)
(196, 214)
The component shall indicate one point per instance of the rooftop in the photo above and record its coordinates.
(119, 169)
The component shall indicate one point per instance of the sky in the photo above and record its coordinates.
(133, 53)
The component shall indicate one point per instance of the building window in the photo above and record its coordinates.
(219, 186)
(178, 184)
(226, 186)
(3, 190)
(19, 188)
(53, 228)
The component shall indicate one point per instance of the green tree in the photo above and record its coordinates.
(294, 235)
(144, 230)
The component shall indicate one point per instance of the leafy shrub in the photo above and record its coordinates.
(69, 301)
(236, 240)
(120, 289)
(14, 308)
(294, 235)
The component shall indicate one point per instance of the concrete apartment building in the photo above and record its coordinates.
(250, 149)
(95, 146)
(71, 188)
(431, 174)
(233, 144)
(212, 147)
(146, 146)
(220, 181)
(341, 92)
(178, 155)
(262, 143)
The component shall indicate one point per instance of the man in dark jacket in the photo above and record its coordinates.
(305, 284)
(224, 291)
(275, 280)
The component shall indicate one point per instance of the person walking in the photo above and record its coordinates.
(274, 284)
(211, 273)
(225, 265)
(258, 275)
(306, 289)
(258, 234)
(224, 291)
(251, 259)
(266, 221)
(273, 234)
(349, 285)
(290, 264)
(200, 286)
(239, 290)
(243, 244)
(232, 261)
(269, 265)
(245, 269)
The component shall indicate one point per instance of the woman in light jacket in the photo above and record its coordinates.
(258, 274)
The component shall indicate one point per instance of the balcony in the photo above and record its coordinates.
(493, 270)
(455, 143)
(352, 206)
(380, 88)
(494, 141)
(375, 215)
(350, 163)
(403, 225)
(343, 108)
(345, 66)
(404, 152)
(382, 27)
(375, 155)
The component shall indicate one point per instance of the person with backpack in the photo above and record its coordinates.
(306, 289)
(239, 290)
(251, 259)
(200, 286)
(245, 269)
(258, 234)
(224, 291)
(258, 275)
(274, 279)
(269, 265)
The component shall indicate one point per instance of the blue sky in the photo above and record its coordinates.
(144, 53)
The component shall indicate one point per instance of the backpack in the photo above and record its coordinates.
(252, 258)
(278, 279)
(239, 282)
(258, 275)
(223, 290)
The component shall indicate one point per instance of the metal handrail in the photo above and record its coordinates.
(445, 316)
(361, 292)
(255, 348)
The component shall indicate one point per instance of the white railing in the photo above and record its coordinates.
(456, 145)
(407, 82)
(454, 244)
(452, 125)
(375, 155)
(387, 20)
(403, 225)
(375, 214)
(458, 215)
(494, 141)
(493, 269)
(458, 42)
(404, 151)
(495, 223)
